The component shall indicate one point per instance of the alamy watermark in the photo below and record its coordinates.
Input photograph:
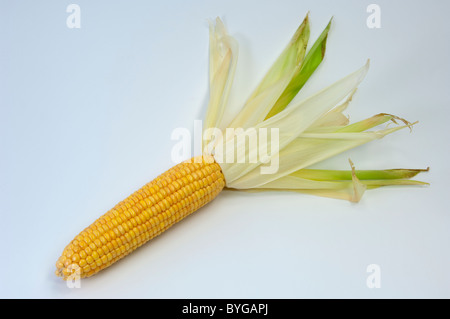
(374, 279)
(73, 21)
(74, 279)
(374, 19)
(232, 145)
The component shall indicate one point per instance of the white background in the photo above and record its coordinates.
(86, 117)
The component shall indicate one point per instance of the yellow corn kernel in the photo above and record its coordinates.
(143, 215)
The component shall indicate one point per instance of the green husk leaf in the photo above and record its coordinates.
(291, 57)
(275, 81)
(363, 175)
(349, 185)
(309, 65)
(352, 191)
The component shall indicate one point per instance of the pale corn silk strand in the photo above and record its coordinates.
(309, 131)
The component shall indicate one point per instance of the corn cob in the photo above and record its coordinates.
(143, 215)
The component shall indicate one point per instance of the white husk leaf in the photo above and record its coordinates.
(292, 121)
(257, 107)
(308, 149)
(223, 61)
